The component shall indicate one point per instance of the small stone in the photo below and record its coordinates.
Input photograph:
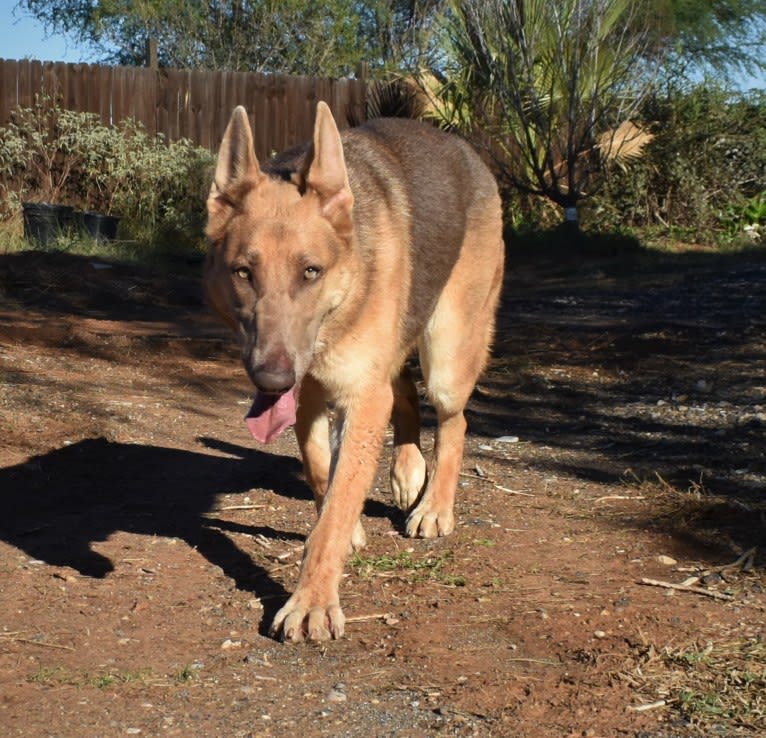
(228, 644)
(599, 634)
(666, 560)
(336, 696)
(507, 439)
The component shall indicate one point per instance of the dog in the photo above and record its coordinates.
(332, 263)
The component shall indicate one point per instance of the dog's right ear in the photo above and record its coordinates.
(237, 162)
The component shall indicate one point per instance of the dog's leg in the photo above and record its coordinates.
(408, 468)
(434, 514)
(314, 611)
(453, 351)
(312, 428)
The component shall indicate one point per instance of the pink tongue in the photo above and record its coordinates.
(270, 415)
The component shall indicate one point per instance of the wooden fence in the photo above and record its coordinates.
(185, 103)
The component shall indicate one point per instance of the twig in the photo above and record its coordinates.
(373, 616)
(514, 491)
(43, 643)
(475, 476)
(647, 706)
(744, 562)
(686, 588)
(619, 497)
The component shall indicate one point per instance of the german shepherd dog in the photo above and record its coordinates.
(331, 264)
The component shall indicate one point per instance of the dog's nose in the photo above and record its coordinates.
(273, 379)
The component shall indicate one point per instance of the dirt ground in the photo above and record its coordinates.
(616, 440)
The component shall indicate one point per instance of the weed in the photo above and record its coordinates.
(80, 244)
(49, 676)
(185, 674)
(486, 542)
(52, 676)
(408, 567)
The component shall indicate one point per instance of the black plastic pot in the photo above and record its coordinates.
(100, 226)
(44, 222)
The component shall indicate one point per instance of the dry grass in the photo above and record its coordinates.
(711, 684)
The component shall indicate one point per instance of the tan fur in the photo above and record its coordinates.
(332, 264)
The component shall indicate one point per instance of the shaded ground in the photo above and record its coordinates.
(146, 541)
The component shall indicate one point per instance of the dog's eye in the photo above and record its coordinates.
(242, 272)
(311, 273)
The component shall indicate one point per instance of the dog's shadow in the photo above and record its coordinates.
(58, 504)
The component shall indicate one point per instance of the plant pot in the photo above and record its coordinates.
(99, 226)
(44, 222)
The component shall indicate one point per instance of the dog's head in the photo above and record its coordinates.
(280, 258)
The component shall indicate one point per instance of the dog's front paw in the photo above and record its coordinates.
(428, 522)
(299, 620)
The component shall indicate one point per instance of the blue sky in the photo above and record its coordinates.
(23, 37)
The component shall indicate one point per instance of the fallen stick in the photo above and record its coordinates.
(44, 644)
(373, 616)
(647, 706)
(744, 562)
(513, 491)
(484, 478)
(686, 588)
(619, 497)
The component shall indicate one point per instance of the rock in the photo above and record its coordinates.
(665, 560)
(337, 694)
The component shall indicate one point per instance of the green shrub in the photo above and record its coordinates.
(701, 177)
(41, 154)
(50, 154)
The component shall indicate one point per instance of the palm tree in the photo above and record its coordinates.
(551, 86)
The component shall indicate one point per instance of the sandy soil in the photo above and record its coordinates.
(616, 439)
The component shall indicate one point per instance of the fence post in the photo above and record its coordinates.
(151, 54)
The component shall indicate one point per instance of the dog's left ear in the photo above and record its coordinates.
(327, 175)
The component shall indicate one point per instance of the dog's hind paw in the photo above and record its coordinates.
(408, 475)
(358, 537)
(295, 623)
(424, 522)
